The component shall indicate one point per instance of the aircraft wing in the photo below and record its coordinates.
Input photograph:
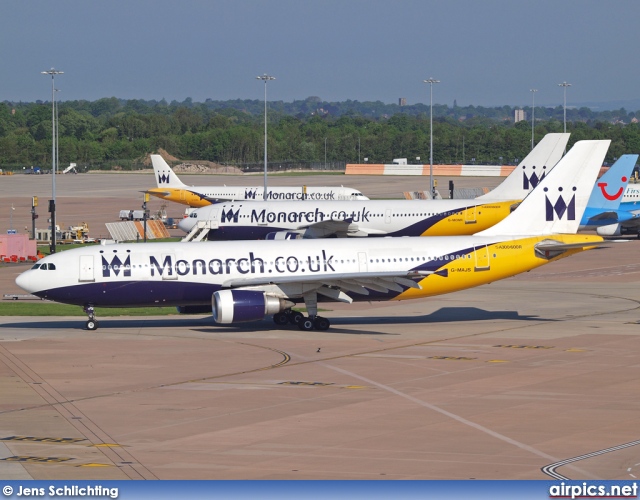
(335, 286)
(605, 216)
(614, 215)
(634, 222)
(326, 228)
(340, 228)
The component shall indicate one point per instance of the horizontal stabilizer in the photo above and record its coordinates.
(554, 246)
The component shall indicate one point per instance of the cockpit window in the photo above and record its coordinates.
(52, 267)
(35, 266)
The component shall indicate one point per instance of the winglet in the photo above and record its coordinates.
(165, 177)
(530, 172)
(556, 205)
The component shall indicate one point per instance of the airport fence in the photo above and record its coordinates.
(290, 165)
(133, 165)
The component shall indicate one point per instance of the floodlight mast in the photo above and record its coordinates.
(533, 112)
(565, 85)
(431, 81)
(52, 205)
(265, 78)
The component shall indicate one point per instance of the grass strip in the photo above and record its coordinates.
(44, 308)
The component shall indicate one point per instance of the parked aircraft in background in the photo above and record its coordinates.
(630, 203)
(172, 189)
(604, 207)
(248, 282)
(321, 219)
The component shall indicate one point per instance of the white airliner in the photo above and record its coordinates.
(321, 219)
(248, 282)
(172, 189)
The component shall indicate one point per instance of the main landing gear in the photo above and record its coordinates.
(92, 322)
(306, 323)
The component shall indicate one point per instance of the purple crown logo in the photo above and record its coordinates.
(560, 207)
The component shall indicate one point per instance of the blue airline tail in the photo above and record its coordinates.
(604, 202)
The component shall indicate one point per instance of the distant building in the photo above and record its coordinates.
(520, 115)
(402, 101)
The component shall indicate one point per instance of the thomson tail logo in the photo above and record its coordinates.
(163, 178)
(530, 182)
(560, 207)
(116, 265)
(611, 197)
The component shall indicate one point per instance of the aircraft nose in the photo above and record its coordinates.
(187, 224)
(24, 281)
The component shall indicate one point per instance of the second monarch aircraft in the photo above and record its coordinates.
(320, 219)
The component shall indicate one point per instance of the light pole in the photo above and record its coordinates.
(565, 85)
(57, 136)
(52, 203)
(265, 78)
(533, 112)
(431, 81)
(325, 153)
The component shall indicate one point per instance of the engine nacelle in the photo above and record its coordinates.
(237, 306)
(610, 230)
(283, 235)
(194, 309)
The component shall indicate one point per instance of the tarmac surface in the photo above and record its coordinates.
(532, 377)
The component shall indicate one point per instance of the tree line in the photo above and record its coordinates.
(108, 132)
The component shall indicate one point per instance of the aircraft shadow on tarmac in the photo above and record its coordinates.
(206, 324)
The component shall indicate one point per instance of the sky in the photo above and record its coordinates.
(484, 52)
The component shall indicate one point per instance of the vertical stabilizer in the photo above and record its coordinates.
(165, 177)
(528, 174)
(608, 191)
(556, 205)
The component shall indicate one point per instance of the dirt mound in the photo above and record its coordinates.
(205, 167)
(167, 157)
(193, 166)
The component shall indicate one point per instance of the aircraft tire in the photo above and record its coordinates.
(320, 323)
(306, 324)
(295, 317)
(92, 324)
(281, 318)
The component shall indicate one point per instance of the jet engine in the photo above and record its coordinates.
(236, 306)
(283, 235)
(610, 230)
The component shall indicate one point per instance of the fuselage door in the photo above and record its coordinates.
(387, 216)
(470, 215)
(362, 262)
(168, 261)
(86, 268)
(482, 258)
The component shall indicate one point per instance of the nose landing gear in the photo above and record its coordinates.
(92, 322)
